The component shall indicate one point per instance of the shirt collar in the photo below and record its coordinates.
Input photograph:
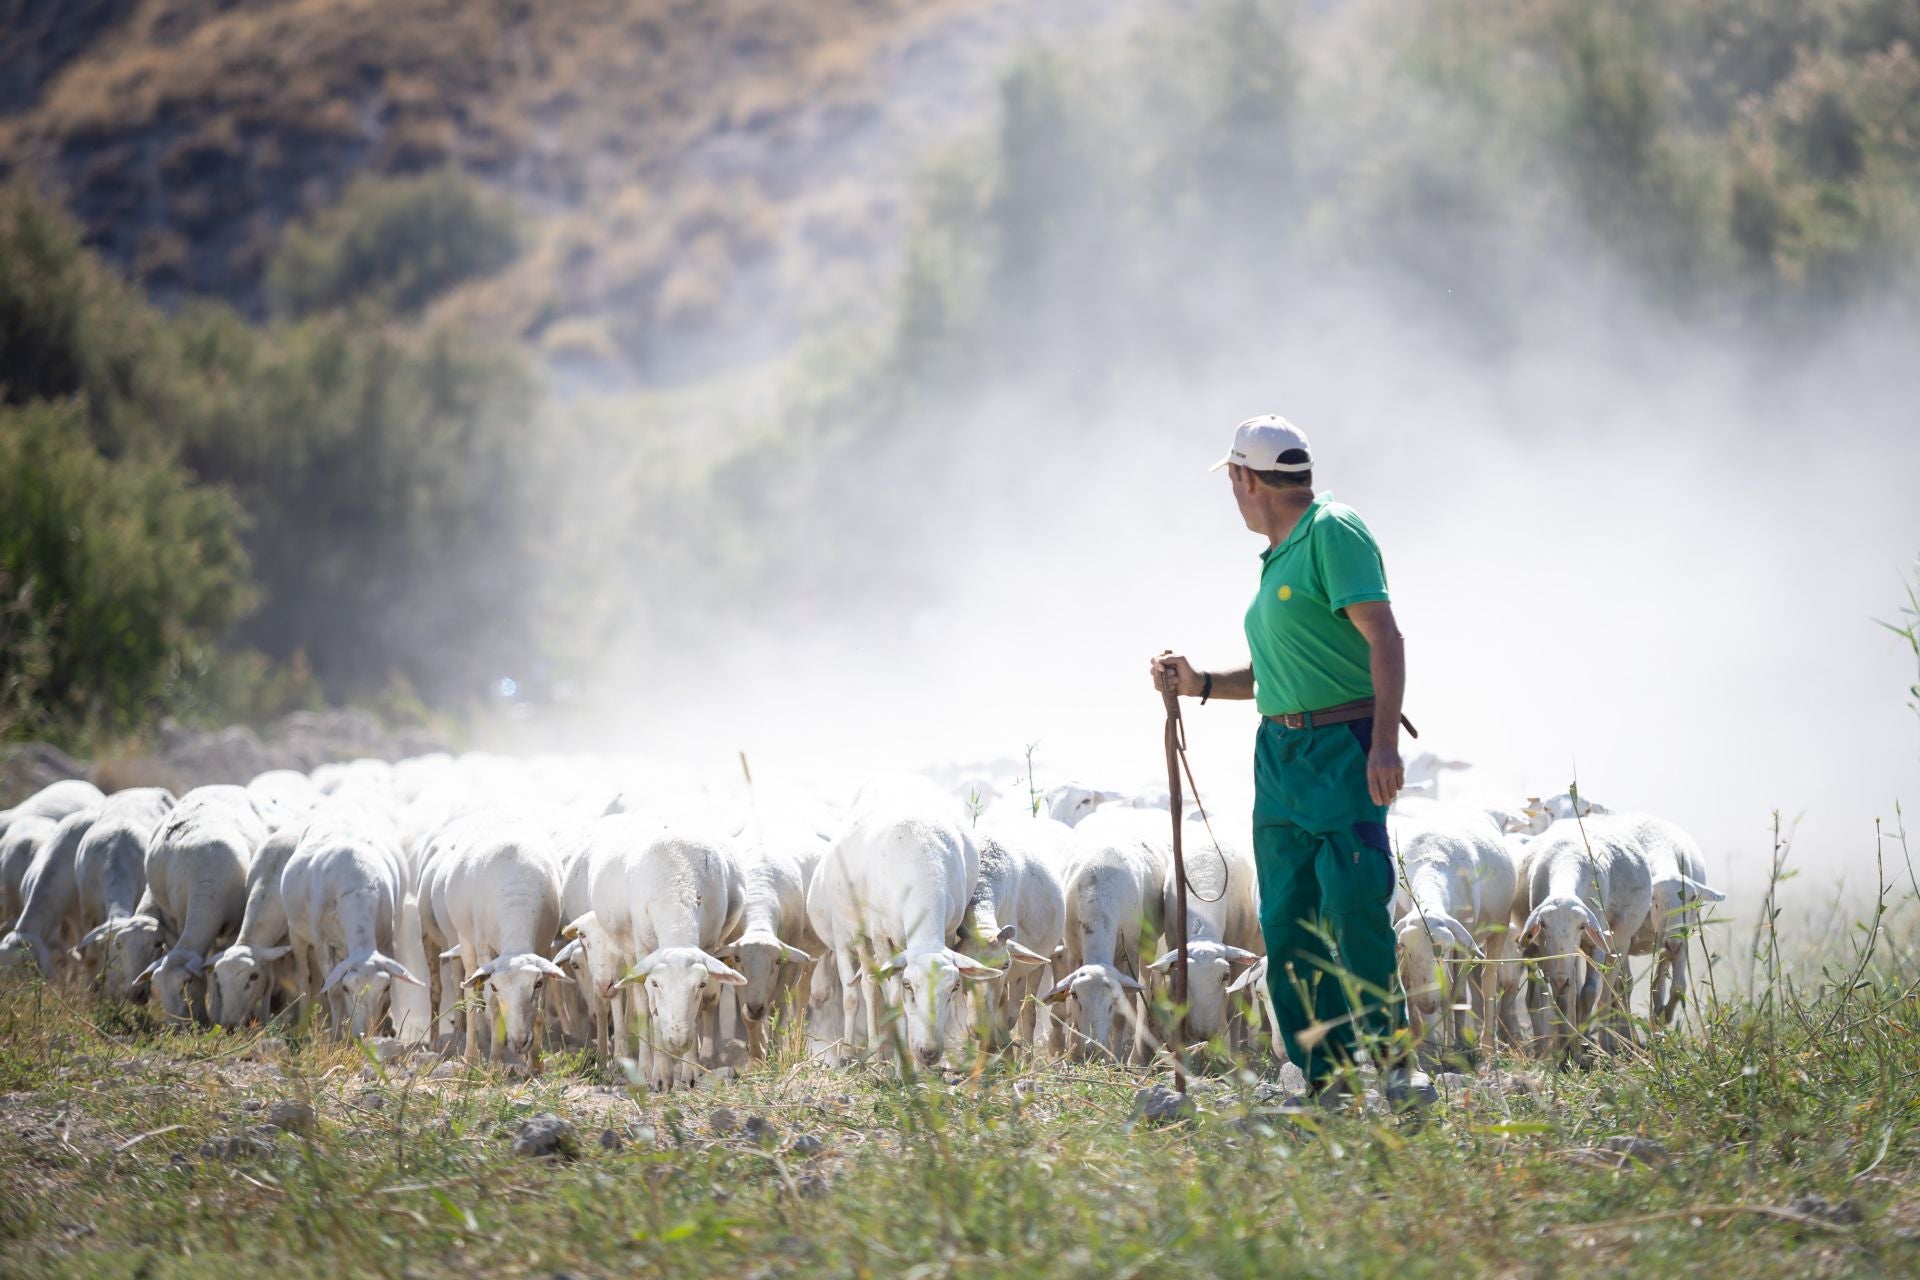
(1299, 526)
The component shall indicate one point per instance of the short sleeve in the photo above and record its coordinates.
(1349, 559)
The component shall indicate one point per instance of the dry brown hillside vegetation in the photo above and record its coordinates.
(681, 161)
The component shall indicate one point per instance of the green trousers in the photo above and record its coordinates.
(1326, 875)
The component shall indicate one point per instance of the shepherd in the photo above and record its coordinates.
(1328, 675)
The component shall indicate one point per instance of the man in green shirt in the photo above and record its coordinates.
(1328, 673)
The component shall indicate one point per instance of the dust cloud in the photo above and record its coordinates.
(1621, 548)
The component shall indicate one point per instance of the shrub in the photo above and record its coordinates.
(68, 328)
(396, 242)
(121, 564)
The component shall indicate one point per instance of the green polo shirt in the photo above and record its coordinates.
(1306, 654)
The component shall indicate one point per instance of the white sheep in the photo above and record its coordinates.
(499, 887)
(1223, 930)
(1069, 802)
(341, 890)
(1540, 814)
(284, 795)
(1588, 891)
(671, 895)
(258, 964)
(197, 865)
(1679, 887)
(56, 800)
(777, 942)
(1116, 876)
(110, 875)
(50, 919)
(1015, 918)
(22, 840)
(886, 899)
(1455, 903)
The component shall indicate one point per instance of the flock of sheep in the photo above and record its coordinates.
(500, 906)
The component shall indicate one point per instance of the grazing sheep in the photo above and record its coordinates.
(1072, 801)
(56, 800)
(22, 840)
(1540, 814)
(1588, 890)
(1455, 903)
(1116, 876)
(284, 795)
(258, 964)
(50, 919)
(1015, 918)
(110, 874)
(341, 890)
(499, 887)
(776, 942)
(197, 864)
(1223, 935)
(896, 885)
(671, 895)
(1679, 887)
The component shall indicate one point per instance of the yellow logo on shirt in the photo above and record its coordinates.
(1285, 593)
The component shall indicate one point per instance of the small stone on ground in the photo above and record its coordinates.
(543, 1135)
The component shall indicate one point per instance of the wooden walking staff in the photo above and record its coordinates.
(1174, 747)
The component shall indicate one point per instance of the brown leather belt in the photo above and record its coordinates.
(1345, 713)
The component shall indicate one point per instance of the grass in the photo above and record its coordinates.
(1780, 1133)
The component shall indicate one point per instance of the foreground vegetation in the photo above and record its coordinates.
(1779, 1134)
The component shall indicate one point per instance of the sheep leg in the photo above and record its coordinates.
(469, 962)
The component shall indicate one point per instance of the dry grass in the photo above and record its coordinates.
(240, 117)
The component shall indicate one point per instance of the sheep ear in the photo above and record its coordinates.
(1018, 954)
(195, 962)
(479, 975)
(339, 972)
(1240, 956)
(1128, 982)
(794, 955)
(568, 952)
(451, 953)
(549, 968)
(638, 973)
(972, 970)
(273, 953)
(1061, 990)
(727, 976)
(1059, 951)
(398, 972)
(1247, 979)
(146, 974)
(577, 925)
(95, 936)
(1005, 934)
(730, 951)
(1464, 937)
(1706, 893)
(1165, 960)
(894, 965)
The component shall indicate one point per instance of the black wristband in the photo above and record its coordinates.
(1206, 686)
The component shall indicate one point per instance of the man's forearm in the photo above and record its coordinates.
(1387, 658)
(1233, 685)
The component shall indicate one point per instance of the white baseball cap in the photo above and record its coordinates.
(1259, 442)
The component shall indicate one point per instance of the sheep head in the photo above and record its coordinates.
(929, 987)
(758, 956)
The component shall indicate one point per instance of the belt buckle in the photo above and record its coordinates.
(1294, 719)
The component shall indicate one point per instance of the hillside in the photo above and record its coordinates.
(687, 168)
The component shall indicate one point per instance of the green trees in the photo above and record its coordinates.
(118, 566)
(343, 493)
